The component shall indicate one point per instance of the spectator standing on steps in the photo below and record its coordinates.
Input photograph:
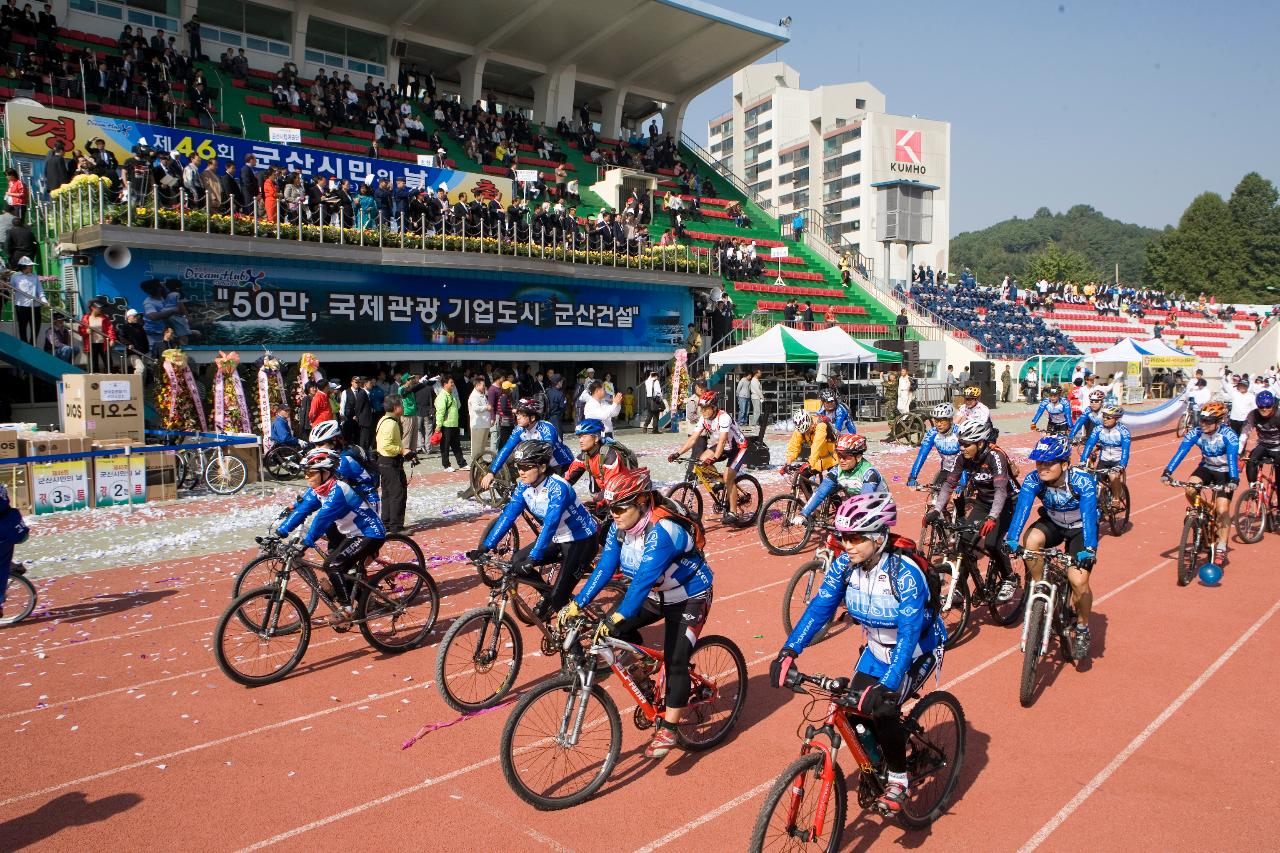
(447, 417)
(901, 323)
(797, 227)
(693, 343)
(390, 460)
(28, 298)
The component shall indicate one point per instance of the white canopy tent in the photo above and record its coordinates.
(781, 345)
(1124, 350)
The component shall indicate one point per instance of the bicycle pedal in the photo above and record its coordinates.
(640, 720)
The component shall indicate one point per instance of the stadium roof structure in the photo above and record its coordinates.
(628, 59)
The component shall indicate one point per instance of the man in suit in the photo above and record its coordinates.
(249, 184)
(57, 168)
(231, 187)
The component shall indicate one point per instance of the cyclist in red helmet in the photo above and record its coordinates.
(725, 441)
(853, 475)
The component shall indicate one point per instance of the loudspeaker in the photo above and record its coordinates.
(117, 256)
(399, 49)
(909, 350)
(988, 390)
(980, 373)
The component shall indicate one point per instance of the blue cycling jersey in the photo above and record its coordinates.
(341, 505)
(1219, 451)
(946, 443)
(890, 601)
(660, 561)
(1072, 504)
(1059, 413)
(555, 504)
(1088, 416)
(1113, 441)
(540, 431)
(840, 419)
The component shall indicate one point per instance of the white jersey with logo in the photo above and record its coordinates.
(722, 422)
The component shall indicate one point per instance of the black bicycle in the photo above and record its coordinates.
(963, 583)
(783, 529)
(1113, 501)
(19, 596)
(283, 462)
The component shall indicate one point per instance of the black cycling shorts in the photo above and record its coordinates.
(1052, 428)
(1055, 535)
(1211, 478)
(683, 622)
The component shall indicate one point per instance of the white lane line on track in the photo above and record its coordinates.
(1142, 737)
(707, 818)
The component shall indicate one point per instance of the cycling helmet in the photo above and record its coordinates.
(1113, 411)
(1097, 395)
(801, 420)
(589, 426)
(707, 399)
(626, 484)
(1264, 400)
(1051, 448)
(971, 392)
(944, 412)
(326, 431)
(529, 406)
(321, 459)
(826, 395)
(975, 430)
(1054, 391)
(853, 443)
(871, 513)
(1213, 411)
(534, 451)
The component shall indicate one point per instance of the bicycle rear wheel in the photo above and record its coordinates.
(1036, 626)
(478, 660)
(1005, 613)
(262, 571)
(1121, 509)
(19, 600)
(801, 589)
(399, 610)
(281, 462)
(527, 597)
(491, 575)
(187, 463)
(688, 496)
(750, 497)
(719, 674)
(225, 474)
(786, 819)
(935, 754)
(955, 603)
(265, 652)
(540, 766)
(777, 532)
(399, 548)
(1189, 550)
(1250, 519)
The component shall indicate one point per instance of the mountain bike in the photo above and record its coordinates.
(1049, 613)
(283, 461)
(686, 493)
(1188, 419)
(805, 809)
(480, 655)
(19, 596)
(1113, 501)
(1199, 530)
(963, 583)
(563, 737)
(1257, 510)
(504, 482)
(804, 586)
(776, 520)
(221, 471)
(264, 633)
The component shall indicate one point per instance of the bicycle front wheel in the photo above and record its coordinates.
(776, 528)
(187, 463)
(1250, 517)
(491, 575)
(688, 496)
(786, 820)
(719, 675)
(1036, 626)
(225, 474)
(750, 497)
(19, 600)
(1005, 613)
(1121, 508)
(271, 646)
(399, 609)
(263, 571)
(478, 660)
(1188, 550)
(801, 589)
(551, 760)
(935, 754)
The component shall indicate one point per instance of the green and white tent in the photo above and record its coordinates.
(780, 345)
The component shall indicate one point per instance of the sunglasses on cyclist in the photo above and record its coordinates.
(619, 507)
(847, 454)
(968, 443)
(853, 538)
(526, 466)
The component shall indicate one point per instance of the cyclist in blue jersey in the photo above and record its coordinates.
(1058, 410)
(852, 475)
(1090, 418)
(1068, 517)
(530, 427)
(1219, 462)
(352, 467)
(942, 435)
(568, 534)
(885, 591)
(1111, 440)
(836, 413)
(659, 552)
(335, 502)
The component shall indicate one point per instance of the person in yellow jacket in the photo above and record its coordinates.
(813, 432)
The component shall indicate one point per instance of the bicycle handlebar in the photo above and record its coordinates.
(1183, 484)
(834, 686)
(1049, 554)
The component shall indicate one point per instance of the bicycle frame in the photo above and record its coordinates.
(1047, 589)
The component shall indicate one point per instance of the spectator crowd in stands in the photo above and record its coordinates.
(1002, 327)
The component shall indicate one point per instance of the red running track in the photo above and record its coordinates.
(119, 730)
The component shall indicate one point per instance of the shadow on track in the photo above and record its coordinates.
(73, 809)
(100, 605)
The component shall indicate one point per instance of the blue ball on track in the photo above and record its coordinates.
(1210, 574)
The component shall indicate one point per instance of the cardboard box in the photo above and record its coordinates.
(8, 443)
(52, 444)
(249, 455)
(17, 479)
(110, 478)
(103, 405)
(162, 476)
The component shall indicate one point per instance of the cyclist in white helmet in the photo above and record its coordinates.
(942, 435)
(815, 433)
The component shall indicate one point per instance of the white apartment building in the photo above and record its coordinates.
(826, 151)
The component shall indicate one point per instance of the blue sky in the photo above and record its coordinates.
(1132, 106)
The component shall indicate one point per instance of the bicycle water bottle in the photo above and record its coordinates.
(869, 745)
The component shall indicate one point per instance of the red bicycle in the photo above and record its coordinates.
(805, 809)
(1256, 509)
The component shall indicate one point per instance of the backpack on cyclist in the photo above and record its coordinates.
(906, 548)
(628, 455)
(357, 453)
(665, 508)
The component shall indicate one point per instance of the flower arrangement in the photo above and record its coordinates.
(178, 398)
(679, 382)
(230, 412)
(80, 185)
(271, 394)
(308, 371)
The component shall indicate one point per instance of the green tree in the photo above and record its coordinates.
(1056, 264)
(1203, 254)
(1256, 221)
